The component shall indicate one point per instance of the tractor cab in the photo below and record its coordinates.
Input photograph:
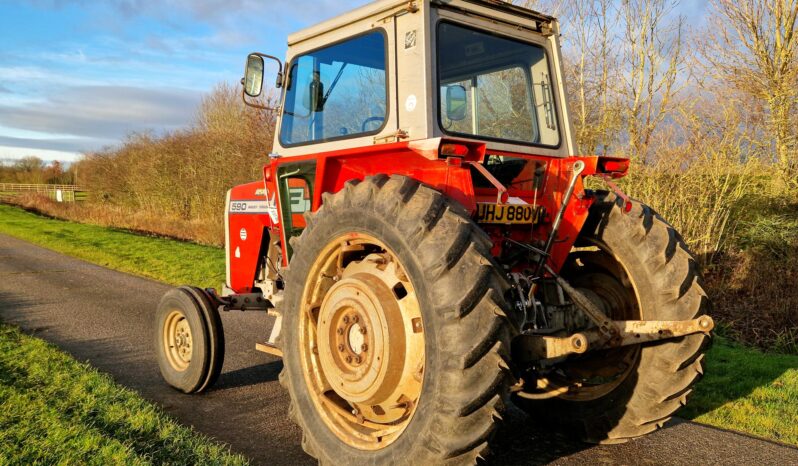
(419, 70)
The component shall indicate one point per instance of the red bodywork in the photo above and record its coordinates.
(423, 161)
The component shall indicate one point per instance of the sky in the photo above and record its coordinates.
(79, 75)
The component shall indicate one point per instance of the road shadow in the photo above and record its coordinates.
(12, 303)
(522, 440)
(254, 375)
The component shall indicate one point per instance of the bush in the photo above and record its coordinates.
(184, 176)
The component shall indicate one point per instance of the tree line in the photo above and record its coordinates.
(33, 170)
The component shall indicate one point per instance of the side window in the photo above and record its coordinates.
(336, 92)
(296, 196)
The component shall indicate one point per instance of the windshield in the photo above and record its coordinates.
(494, 88)
(336, 92)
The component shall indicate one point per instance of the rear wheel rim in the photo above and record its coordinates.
(597, 374)
(361, 342)
(177, 341)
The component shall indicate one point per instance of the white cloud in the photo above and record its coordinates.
(103, 112)
(20, 152)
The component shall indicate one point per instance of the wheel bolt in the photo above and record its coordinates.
(340, 331)
(357, 360)
(349, 359)
(355, 319)
(341, 348)
(346, 319)
(364, 347)
(362, 330)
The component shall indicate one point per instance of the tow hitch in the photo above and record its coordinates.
(531, 347)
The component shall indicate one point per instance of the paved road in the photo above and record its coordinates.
(105, 317)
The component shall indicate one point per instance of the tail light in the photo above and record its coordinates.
(453, 150)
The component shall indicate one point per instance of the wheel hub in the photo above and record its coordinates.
(360, 324)
(597, 374)
(177, 341)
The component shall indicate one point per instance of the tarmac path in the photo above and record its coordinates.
(106, 318)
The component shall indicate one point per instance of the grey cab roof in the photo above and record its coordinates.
(485, 7)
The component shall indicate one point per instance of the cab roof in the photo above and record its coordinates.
(494, 9)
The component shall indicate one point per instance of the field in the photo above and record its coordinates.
(744, 389)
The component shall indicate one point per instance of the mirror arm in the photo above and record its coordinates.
(254, 105)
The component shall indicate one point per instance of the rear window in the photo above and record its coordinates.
(493, 87)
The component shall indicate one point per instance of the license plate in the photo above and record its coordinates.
(508, 214)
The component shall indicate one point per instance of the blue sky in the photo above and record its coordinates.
(77, 75)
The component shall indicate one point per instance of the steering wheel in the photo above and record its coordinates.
(369, 120)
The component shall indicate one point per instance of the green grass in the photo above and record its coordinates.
(169, 261)
(749, 391)
(743, 389)
(55, 410)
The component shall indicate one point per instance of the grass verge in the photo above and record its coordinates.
(56, 410)
(744, 389)
(749, 391)
(162, 259)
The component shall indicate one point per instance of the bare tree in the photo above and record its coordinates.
(653, 61)
(624, 67)
(755, 50)
(593, 60)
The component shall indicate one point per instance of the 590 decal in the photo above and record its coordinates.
(249, 207)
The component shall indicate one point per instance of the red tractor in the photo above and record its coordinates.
(424, 239)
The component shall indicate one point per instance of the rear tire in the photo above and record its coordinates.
(665, 279)
(460, 292)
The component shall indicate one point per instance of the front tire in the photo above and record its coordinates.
(357, 247)
(189, 340)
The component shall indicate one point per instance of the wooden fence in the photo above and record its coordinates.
(59, 192)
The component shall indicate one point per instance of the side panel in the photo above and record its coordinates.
(248, 215)
(414, 86)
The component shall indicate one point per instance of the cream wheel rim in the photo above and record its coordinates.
(362, 342)
(177, 341)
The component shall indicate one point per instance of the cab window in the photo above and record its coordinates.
(336, 92)
(493, 87)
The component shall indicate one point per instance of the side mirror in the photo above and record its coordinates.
(456, 102)
(253, 75)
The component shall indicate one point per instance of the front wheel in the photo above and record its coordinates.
(395, 336)
(189, 339)
(634, 266)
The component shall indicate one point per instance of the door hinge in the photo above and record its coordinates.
(395, 137)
